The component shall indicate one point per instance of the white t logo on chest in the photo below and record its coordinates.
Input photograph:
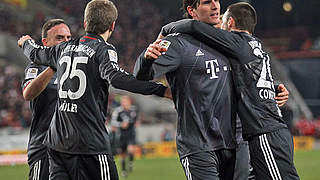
(212, 68)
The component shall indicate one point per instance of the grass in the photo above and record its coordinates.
(307, 164)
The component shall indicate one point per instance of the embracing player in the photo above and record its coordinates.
(78, 141)
(270, 141)
(40, 88)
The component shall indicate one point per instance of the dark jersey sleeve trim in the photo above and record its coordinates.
(143, 68)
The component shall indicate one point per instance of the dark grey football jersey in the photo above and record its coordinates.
(257, 108)
(202, 89)
(42, 108)
(120, 115)
(85, 68)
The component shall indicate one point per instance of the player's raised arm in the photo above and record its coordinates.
(219, 39)
(38, 54)
(34, 87)
(143, 67)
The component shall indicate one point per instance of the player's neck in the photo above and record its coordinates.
(106, 35)
(238, 30)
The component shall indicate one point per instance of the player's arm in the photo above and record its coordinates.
(38, 54)
(143, 67)
(33, 87)
(170, 58)
(121, 79)
(223, 41)
(282, 95)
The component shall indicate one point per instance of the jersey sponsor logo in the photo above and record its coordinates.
(165, 44)
(32, 73)
(113, 56)
(212, 68)
(199, 53)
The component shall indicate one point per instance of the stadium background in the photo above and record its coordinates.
(289, 28)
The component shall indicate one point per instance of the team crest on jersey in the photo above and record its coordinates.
(32, 73)
(113, 56)
(165, 44)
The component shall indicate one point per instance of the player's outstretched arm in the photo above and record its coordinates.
(38, 54)
(34, 87)
(123, 80)
(283, 95)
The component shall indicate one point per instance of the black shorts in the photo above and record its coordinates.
(243, 167)
(126, 140)
(271, 156)
(65, 166)
(213, 165)
(39, 170)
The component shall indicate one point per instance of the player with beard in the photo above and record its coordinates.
(40, 88)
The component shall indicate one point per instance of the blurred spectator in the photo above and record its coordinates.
(133, 31)
(307, 128)
(167, 135)
(316, 44)
(14, 112)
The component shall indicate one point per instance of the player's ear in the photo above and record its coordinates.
(113, 25)
(190, 11)
(84, 24)
(44, 41)
(231, 23)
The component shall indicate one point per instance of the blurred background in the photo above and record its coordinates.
(290, 30)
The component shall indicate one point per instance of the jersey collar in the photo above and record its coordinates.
(93, 37)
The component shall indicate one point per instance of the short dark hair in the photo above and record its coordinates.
(245, 16)
(50, 24)
(99, 16)
(192, 3)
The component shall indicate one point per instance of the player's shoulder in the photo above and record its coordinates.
(107, 46)
(35, 67)
(174, 36)
(33, 70)
(174, 39)
(108, 50)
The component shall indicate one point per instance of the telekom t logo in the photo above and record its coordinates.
(213, 68)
